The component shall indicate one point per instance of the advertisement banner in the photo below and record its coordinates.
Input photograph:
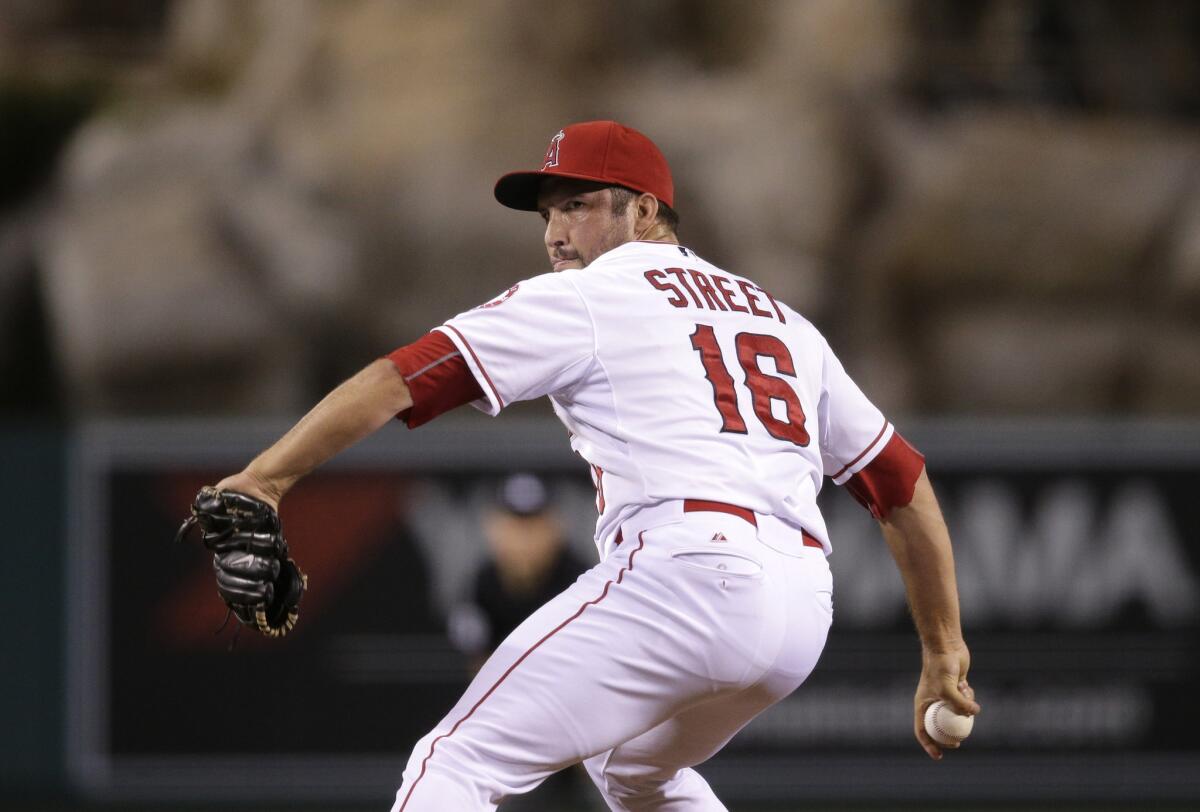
(1079, 576)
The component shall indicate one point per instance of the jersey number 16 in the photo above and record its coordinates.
(763, 387)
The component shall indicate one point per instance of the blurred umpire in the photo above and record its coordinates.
(530, 563)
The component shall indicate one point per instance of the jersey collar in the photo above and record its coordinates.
(681, 250)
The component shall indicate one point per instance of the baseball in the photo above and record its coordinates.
(945, 726)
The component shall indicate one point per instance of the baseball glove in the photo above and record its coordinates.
(259, 583)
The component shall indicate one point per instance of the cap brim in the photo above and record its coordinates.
(519, 190)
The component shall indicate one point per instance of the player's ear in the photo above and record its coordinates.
(645, 211)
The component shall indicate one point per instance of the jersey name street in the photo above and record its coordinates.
(714, 292)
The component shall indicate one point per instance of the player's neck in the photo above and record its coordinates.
(659, 232)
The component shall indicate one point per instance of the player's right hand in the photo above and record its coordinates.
(943, 676)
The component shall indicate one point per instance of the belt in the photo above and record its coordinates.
(706, 506)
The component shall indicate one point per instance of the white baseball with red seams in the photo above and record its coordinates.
(710, 413)
(944, 725)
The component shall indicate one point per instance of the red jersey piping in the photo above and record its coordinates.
(850, 464)
(470, 349)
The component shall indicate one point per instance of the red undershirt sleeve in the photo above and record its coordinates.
(437, 376)
(890, 479)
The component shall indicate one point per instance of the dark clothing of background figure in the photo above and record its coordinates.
(504, 610)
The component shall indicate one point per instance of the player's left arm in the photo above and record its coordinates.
(534, 339)
(920, 544)
(355, 409)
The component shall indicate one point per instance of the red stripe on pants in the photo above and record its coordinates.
(521, 659)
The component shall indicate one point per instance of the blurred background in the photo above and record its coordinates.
(212, 211)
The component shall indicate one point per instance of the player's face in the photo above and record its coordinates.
(580, 222)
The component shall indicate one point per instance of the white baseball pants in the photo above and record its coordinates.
(646, 666)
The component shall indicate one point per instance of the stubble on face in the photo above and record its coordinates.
(581, 224)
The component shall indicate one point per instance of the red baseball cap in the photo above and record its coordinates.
(600, 151)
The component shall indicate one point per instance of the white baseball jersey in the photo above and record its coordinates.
(677, 380)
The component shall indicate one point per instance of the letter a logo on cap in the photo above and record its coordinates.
(552, 150)
(603, 152)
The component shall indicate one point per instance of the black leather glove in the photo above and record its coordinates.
(259, 583)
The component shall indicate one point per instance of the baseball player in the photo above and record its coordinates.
(709, 412)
